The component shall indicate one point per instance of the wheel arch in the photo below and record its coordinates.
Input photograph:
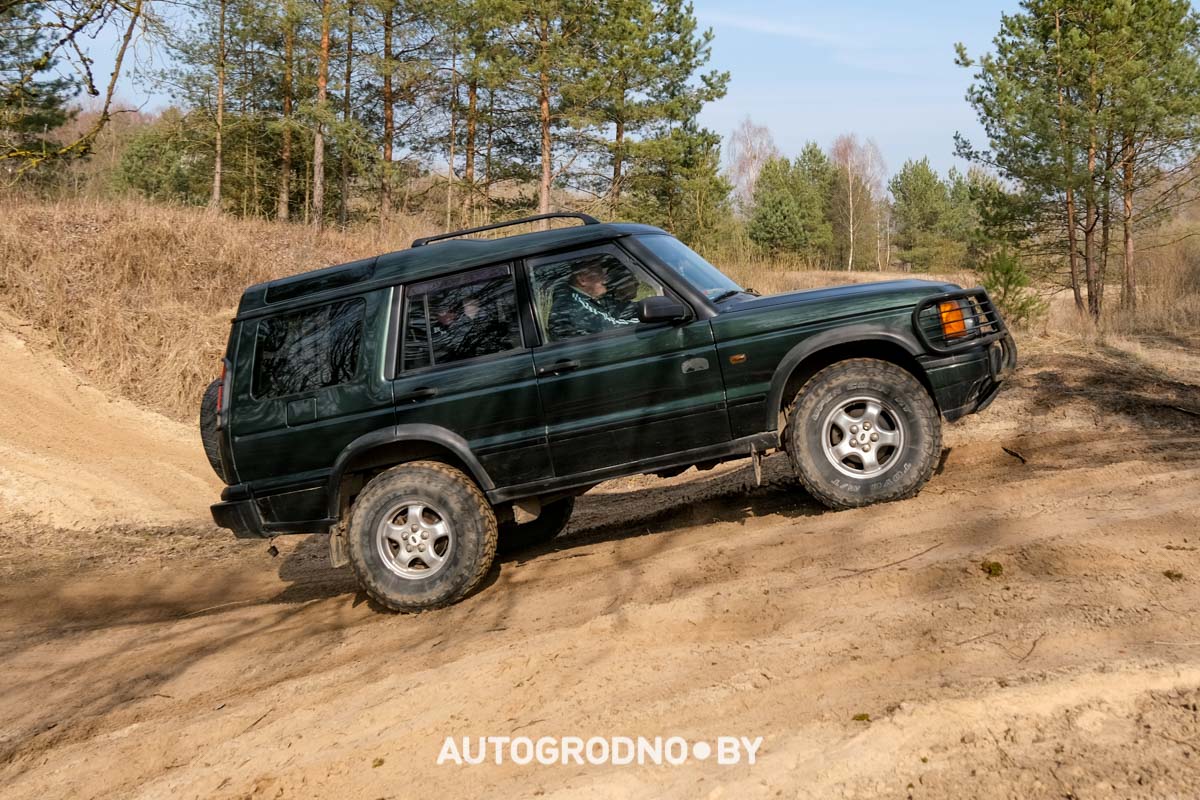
(815, 353)
(379, 450)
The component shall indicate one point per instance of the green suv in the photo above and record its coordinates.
(428, 406)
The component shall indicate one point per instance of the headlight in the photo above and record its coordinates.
(971, 313)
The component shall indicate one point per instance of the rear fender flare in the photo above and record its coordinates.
(416, 434)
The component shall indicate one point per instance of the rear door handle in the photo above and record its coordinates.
(417, 395)
(566, 365)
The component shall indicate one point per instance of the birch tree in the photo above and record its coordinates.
(750, 147)
(859, 167)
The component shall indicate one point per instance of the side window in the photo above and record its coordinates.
(464, 316)
(308, 349)
(586, 293)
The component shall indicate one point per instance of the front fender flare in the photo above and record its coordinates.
(415, 433)
(862, 332)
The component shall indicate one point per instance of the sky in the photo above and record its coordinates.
(884, 70)
(813, 70)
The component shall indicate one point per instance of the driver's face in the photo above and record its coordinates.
(591, 281)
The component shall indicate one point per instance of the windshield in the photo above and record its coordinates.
(689, 266)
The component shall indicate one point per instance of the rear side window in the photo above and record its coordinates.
(460, 317)
(308, 350)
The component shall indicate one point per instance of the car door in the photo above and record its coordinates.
(463, 365)
(307, 383)
(614, 390)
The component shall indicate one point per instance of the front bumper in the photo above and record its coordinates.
(968, 382)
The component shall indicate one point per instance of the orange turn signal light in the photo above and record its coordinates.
(953, 323)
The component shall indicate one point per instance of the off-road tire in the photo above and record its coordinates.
(208, 428)
(549, 524)
(464, 507)
(910, 468)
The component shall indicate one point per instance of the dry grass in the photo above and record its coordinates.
(1169, 292)
(139, 296)
(1168, 300)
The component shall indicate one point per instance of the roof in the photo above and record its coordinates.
(419, 263)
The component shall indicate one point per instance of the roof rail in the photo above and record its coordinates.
(585, 218)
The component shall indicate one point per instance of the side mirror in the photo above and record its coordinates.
(662, 309)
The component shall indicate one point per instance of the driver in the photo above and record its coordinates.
(582, 304)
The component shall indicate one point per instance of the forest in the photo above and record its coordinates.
(416, 115)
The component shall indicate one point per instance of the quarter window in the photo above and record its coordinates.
(309, 349)
(460, 317)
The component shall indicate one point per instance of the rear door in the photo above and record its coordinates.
(307, 383)
(615, 390)
(463, 365)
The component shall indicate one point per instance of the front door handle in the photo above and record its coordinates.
(566, 365)
(417, 395)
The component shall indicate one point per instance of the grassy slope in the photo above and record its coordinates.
(138, 296)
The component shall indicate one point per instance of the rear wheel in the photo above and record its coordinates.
(420, 536)
(549, 524)
(861, 432)
(208, 427)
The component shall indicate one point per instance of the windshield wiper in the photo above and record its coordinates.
(726, 295)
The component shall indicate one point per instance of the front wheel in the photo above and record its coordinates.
(421, 535)
(863, 431)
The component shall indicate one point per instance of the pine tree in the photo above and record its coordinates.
(219, 67)
(288, 21)
(775, 224)
(490, 91)
(645, 78)
(1157, 106)
(33, 96)
(321, 112)
(676, 184)
(34, 39)
(1084, 101)
(547, 55)
(789, 211)
(921, 214)
(816, 174)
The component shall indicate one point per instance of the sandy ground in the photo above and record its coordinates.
(869, 648)
(73, 457)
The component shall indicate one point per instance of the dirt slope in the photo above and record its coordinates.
(73, 457)
(695, 607)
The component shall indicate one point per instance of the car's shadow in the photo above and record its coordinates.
(647, 507)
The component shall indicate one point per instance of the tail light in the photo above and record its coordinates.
(954, 324)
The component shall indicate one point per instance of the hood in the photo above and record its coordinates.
(740, 317)
(870, 296)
